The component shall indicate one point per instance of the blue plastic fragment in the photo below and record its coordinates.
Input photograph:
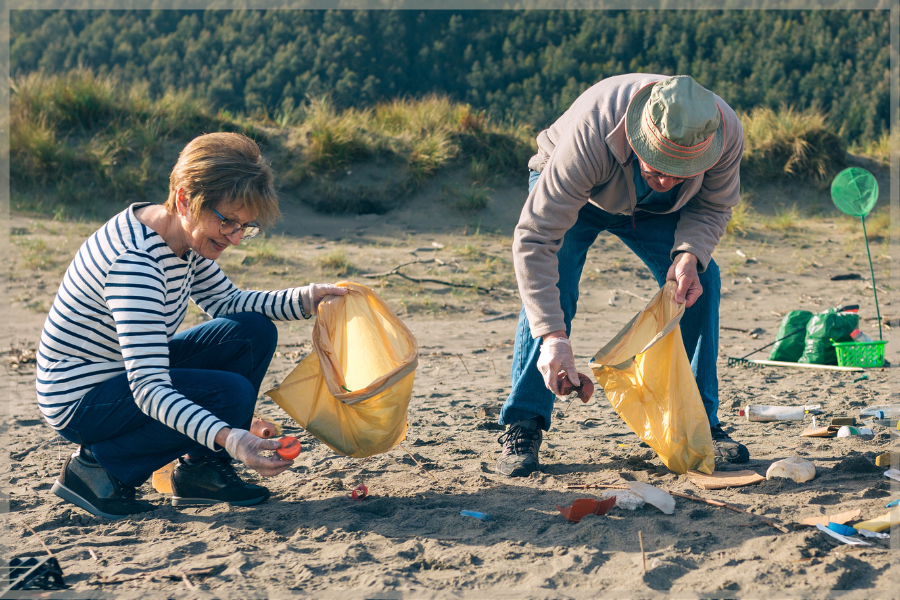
(894, 503)
(842, 529)
(477, 515)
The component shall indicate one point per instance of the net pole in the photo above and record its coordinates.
(872, 273)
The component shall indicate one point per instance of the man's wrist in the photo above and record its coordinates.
(554, 334)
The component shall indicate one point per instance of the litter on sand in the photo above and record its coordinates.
(724, 479)
(624, 499)
(583, 507)
(880, 523)
(477, 515)
(792, 468)
(661, 499)
(841, 518)
(359, 492)
(842, 538)
(893, 474)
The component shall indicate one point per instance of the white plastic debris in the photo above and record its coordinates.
(842, 538)
(792, 468)
(624, 499)
(661, 499)
(893, 474)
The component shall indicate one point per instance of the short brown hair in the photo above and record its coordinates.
(224, 168)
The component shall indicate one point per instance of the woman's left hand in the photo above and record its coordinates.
(317, 291)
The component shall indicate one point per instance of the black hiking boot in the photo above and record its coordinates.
(520, 449)
(210, 480)
(85, 483)
(726, 448)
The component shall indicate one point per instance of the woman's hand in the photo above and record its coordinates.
(315, 292)
(246, 447)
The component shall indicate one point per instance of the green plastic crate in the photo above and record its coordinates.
(860, 354)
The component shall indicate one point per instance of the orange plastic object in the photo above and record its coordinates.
(290, 448)
(585, 390)
(262, 428)
(583, 507)
(359, 492)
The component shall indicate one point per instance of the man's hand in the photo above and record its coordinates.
(684, 272)
(556, 357)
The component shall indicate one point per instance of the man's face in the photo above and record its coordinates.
(659, 182)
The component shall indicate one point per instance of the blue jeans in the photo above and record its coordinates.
(651, 238)
(218, 365)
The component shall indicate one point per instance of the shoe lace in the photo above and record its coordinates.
(518, 440)
(718, 433)
(225, 468)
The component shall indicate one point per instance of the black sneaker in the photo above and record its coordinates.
(85, 483)
(726, 448)
(520, 449)
(210, 480)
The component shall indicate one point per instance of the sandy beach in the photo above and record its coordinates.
(408, 539)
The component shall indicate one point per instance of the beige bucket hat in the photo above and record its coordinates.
(675, 126)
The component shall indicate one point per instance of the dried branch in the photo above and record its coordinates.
(418, 463)
(34, 533)
(396, 271)
(768, 522)
(633, 295)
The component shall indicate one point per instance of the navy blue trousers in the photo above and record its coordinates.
(218, 365)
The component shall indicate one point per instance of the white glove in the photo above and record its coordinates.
(556, 357)
(312, 294)
(246, 447)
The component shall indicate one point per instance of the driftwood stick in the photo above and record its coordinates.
(596, 486)
(463, 363)
(187, 581)
(34, 533)
(394, 270)
(643, 555)
(93, 554)
(418, 463)
(493, 366)
(768, 522)
(633, 295)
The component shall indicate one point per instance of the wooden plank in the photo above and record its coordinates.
(724, 479)
(839, 518)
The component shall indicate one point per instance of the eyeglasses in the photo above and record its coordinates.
(659, 174)
(230, 227)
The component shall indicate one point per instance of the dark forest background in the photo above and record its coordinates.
(519, 66)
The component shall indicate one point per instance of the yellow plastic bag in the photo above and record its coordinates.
(646, 375)
(353, 391)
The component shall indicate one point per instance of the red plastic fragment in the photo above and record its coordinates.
(584, 391)
(359, 492)
(583, 507)
(290, 448)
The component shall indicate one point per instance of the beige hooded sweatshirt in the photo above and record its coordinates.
(585, 157)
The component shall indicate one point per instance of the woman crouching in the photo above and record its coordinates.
(114, 377)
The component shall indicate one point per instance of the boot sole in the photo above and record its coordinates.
(70, 496)
(185, 502)
(518, 470)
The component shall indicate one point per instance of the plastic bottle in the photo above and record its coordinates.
(764, 413)
(881, 411)
(859, 336)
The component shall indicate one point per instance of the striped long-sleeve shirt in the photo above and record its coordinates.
(120, 302)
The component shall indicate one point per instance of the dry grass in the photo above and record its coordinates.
(791, 143)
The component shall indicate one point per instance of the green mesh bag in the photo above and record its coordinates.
(821, 329)
(791, 336)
